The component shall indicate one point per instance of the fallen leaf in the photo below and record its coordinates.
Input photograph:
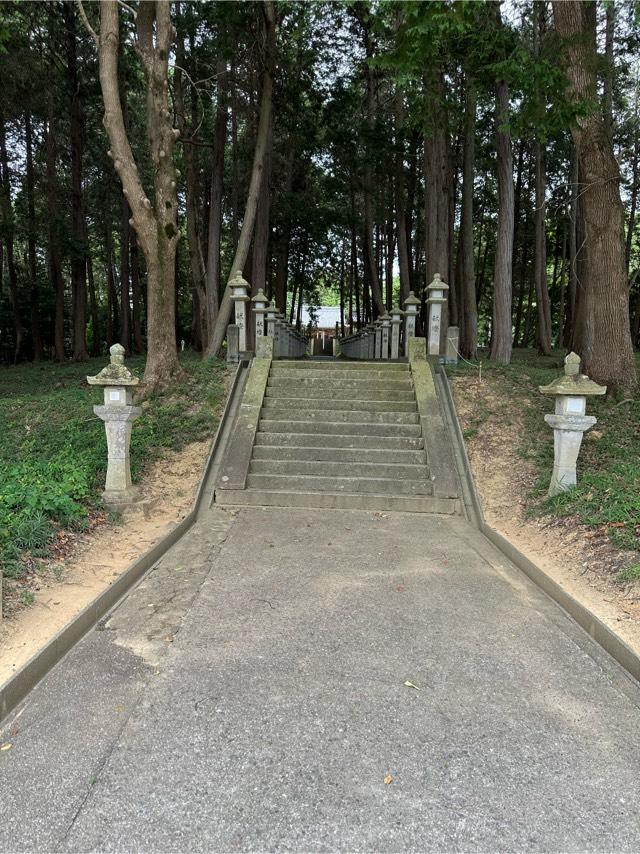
(120, 707)
(169, 638)
(411, 685)
(400, 588)
(388, 780)
(6, 746)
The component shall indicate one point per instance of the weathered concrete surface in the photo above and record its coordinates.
(274, 716)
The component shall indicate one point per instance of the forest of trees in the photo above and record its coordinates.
(350, 148)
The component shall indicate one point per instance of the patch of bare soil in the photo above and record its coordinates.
(582, 560)
(89, 563)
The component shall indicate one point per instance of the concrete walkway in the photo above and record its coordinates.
(250, 695)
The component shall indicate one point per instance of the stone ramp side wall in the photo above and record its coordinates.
(434, 430)
(234, 470)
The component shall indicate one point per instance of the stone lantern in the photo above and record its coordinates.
(436, 291)
(118, 415)
(238, 292)
(569, 421)
(260, 303)
(396, 322)
(411, 307)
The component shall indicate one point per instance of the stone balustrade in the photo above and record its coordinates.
(288, 341)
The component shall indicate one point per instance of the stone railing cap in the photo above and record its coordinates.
(437, 284)
(260, 297)
(412, 299)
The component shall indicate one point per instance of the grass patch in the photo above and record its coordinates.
(53, 450)
(608, 493)
(631, 573)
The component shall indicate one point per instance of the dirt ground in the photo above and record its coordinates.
(580, 559)
(92, 561)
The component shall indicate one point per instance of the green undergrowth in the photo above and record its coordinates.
(608, 493)
(53, 449)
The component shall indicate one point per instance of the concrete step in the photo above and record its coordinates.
(326, 501)
(342, 365)
(333, 392)
(283, 372)
(343, 405)
(362, 387)
(337, 485)
(331, 414)
(323, 440)
(344, 428)
(340, 455)
(394, 471)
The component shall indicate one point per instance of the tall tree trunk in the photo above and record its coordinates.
(436, 185)
(570, 312)
(368, 189)
(635, 181)
(190, 153)
(215, 203)
(155, 225)
(469, 309)
(36, 335)
(501, 336)
(93, 309)
(136, 295)
(7, 225)
(401, 200)
(607, 351)
(543, 329)
(262, 139)
(113, 312)
(54, 228)
(78, 228)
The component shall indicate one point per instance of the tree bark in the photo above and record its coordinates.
(213, 274)
(36, 335)
(262, 139)
(54, 230)
(401, 200)
(501, 335)
(543, 329)
(78, 229)
(155, 225)
(607, 351)
(7, 224)
(136, 295)
(190, 153)
(469, 309)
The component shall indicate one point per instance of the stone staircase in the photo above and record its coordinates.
(335, 434)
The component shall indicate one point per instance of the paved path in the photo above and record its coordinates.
(250, 695)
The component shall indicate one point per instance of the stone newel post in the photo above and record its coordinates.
(569, 421)
(260, 303)
(436, 299)
(396, 321)
(239, 288)
(386, 324)
(411, 306)
(118, 415)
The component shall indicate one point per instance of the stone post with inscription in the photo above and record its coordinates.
(239, 288)
(260, 303)
(396, 322)
(411, 307)
(437, 297)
